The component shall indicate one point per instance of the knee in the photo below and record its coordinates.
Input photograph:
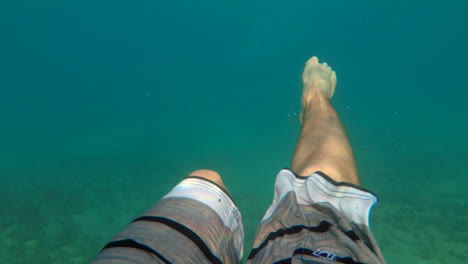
(209, 175)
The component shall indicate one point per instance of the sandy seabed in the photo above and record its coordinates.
(65, 210)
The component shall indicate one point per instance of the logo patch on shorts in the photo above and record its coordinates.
(323, 254)
(304, 254)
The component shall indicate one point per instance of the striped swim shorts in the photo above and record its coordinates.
(311, 220)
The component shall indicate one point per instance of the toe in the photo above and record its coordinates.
(313, 60)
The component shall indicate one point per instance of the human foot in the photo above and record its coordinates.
(317, 78)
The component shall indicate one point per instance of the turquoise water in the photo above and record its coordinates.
(106, 105)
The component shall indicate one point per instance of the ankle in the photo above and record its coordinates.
(314, 100)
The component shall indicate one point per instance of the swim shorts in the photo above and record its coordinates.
(196, 222)
(316, 220)
(311, 220)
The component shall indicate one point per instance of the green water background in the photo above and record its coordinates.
(106, 105)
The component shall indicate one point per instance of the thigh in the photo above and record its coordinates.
(316, 220)
(197, 222)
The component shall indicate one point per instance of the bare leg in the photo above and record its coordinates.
(323, 144)
(210, 175)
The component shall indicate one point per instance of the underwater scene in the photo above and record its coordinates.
(107, 105)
